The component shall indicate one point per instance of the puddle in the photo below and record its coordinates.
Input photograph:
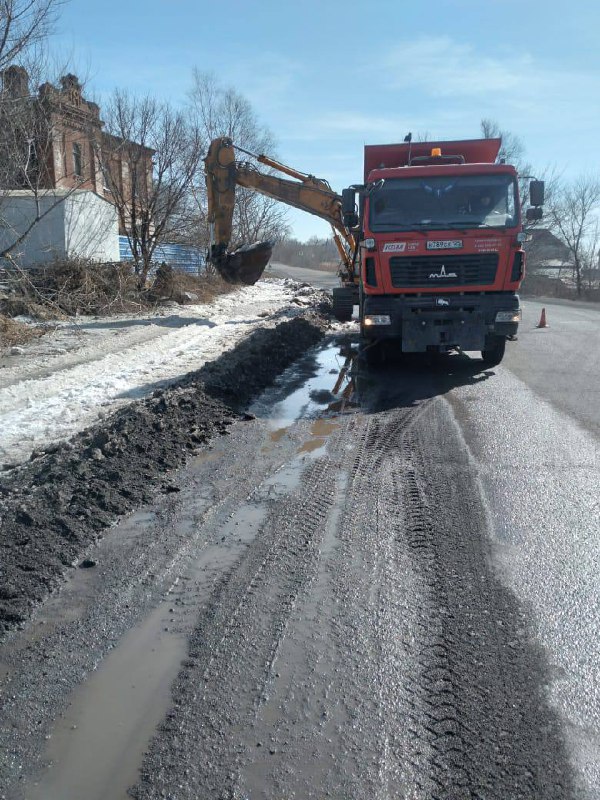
(323, 427)
(327, 387)
(324, 378)
(73, 601)
(313, 446)
(95, 749)
(277, 435)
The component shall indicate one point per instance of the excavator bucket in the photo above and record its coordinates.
(244, 265)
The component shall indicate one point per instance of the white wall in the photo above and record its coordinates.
(83, 225)
(46, 241)
(91, 227)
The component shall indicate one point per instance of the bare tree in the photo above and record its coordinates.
(258, 218)
(222, 111)
(573, 214)
(150, 158)
(512, 151)
(24, 24)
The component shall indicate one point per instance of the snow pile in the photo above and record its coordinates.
(65, 381)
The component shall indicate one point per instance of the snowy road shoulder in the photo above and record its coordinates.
(70, 378)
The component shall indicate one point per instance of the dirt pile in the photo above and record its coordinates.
(55, 506)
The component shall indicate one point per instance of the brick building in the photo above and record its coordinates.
(55, 140)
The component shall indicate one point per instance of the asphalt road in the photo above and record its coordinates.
(316, 277)
(561, 363)
(389, 590)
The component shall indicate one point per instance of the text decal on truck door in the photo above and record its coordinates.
(444, 244)
(394, 247)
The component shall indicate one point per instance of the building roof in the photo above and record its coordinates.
(545, 249)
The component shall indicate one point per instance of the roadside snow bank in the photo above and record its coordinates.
(73, 376)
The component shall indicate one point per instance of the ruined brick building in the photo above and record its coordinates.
(55, 140)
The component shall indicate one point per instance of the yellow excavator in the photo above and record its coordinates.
(246, 264)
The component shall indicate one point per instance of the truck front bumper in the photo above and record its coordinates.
(434, 322)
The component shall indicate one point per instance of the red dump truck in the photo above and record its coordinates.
(441, 246)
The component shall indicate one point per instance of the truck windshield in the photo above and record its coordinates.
(453, 201)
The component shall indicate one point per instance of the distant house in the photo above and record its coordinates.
(547, 255)
(54, 140)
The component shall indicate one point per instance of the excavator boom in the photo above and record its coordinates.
(223, 173)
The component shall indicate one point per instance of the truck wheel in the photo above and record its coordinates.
(494, 351)
(343, 303)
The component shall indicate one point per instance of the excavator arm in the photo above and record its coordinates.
(310, 194)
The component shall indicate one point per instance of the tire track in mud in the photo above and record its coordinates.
(375, 586)
(460, 708)
(234, 648)
(364, 647)
(275, 700)
(478, 702)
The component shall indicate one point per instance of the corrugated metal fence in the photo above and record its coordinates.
(179, 256)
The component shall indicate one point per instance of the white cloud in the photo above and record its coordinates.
(505, 83)
(336, 126)
(358, 123)
(442, 67)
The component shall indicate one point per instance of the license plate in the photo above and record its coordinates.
(444, 244)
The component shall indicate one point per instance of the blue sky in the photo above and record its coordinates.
(329, 76)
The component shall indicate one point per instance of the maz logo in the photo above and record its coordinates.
(443, 274)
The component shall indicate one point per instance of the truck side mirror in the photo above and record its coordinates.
(536, 193)
(533, 214)
(349, 214)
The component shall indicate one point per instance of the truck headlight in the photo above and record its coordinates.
(378, 319)
(508, 316)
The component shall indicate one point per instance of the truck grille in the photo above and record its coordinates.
(456, 270)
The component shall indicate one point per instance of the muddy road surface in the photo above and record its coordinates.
(381, 584)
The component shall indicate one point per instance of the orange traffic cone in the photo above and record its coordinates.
(542, 323)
